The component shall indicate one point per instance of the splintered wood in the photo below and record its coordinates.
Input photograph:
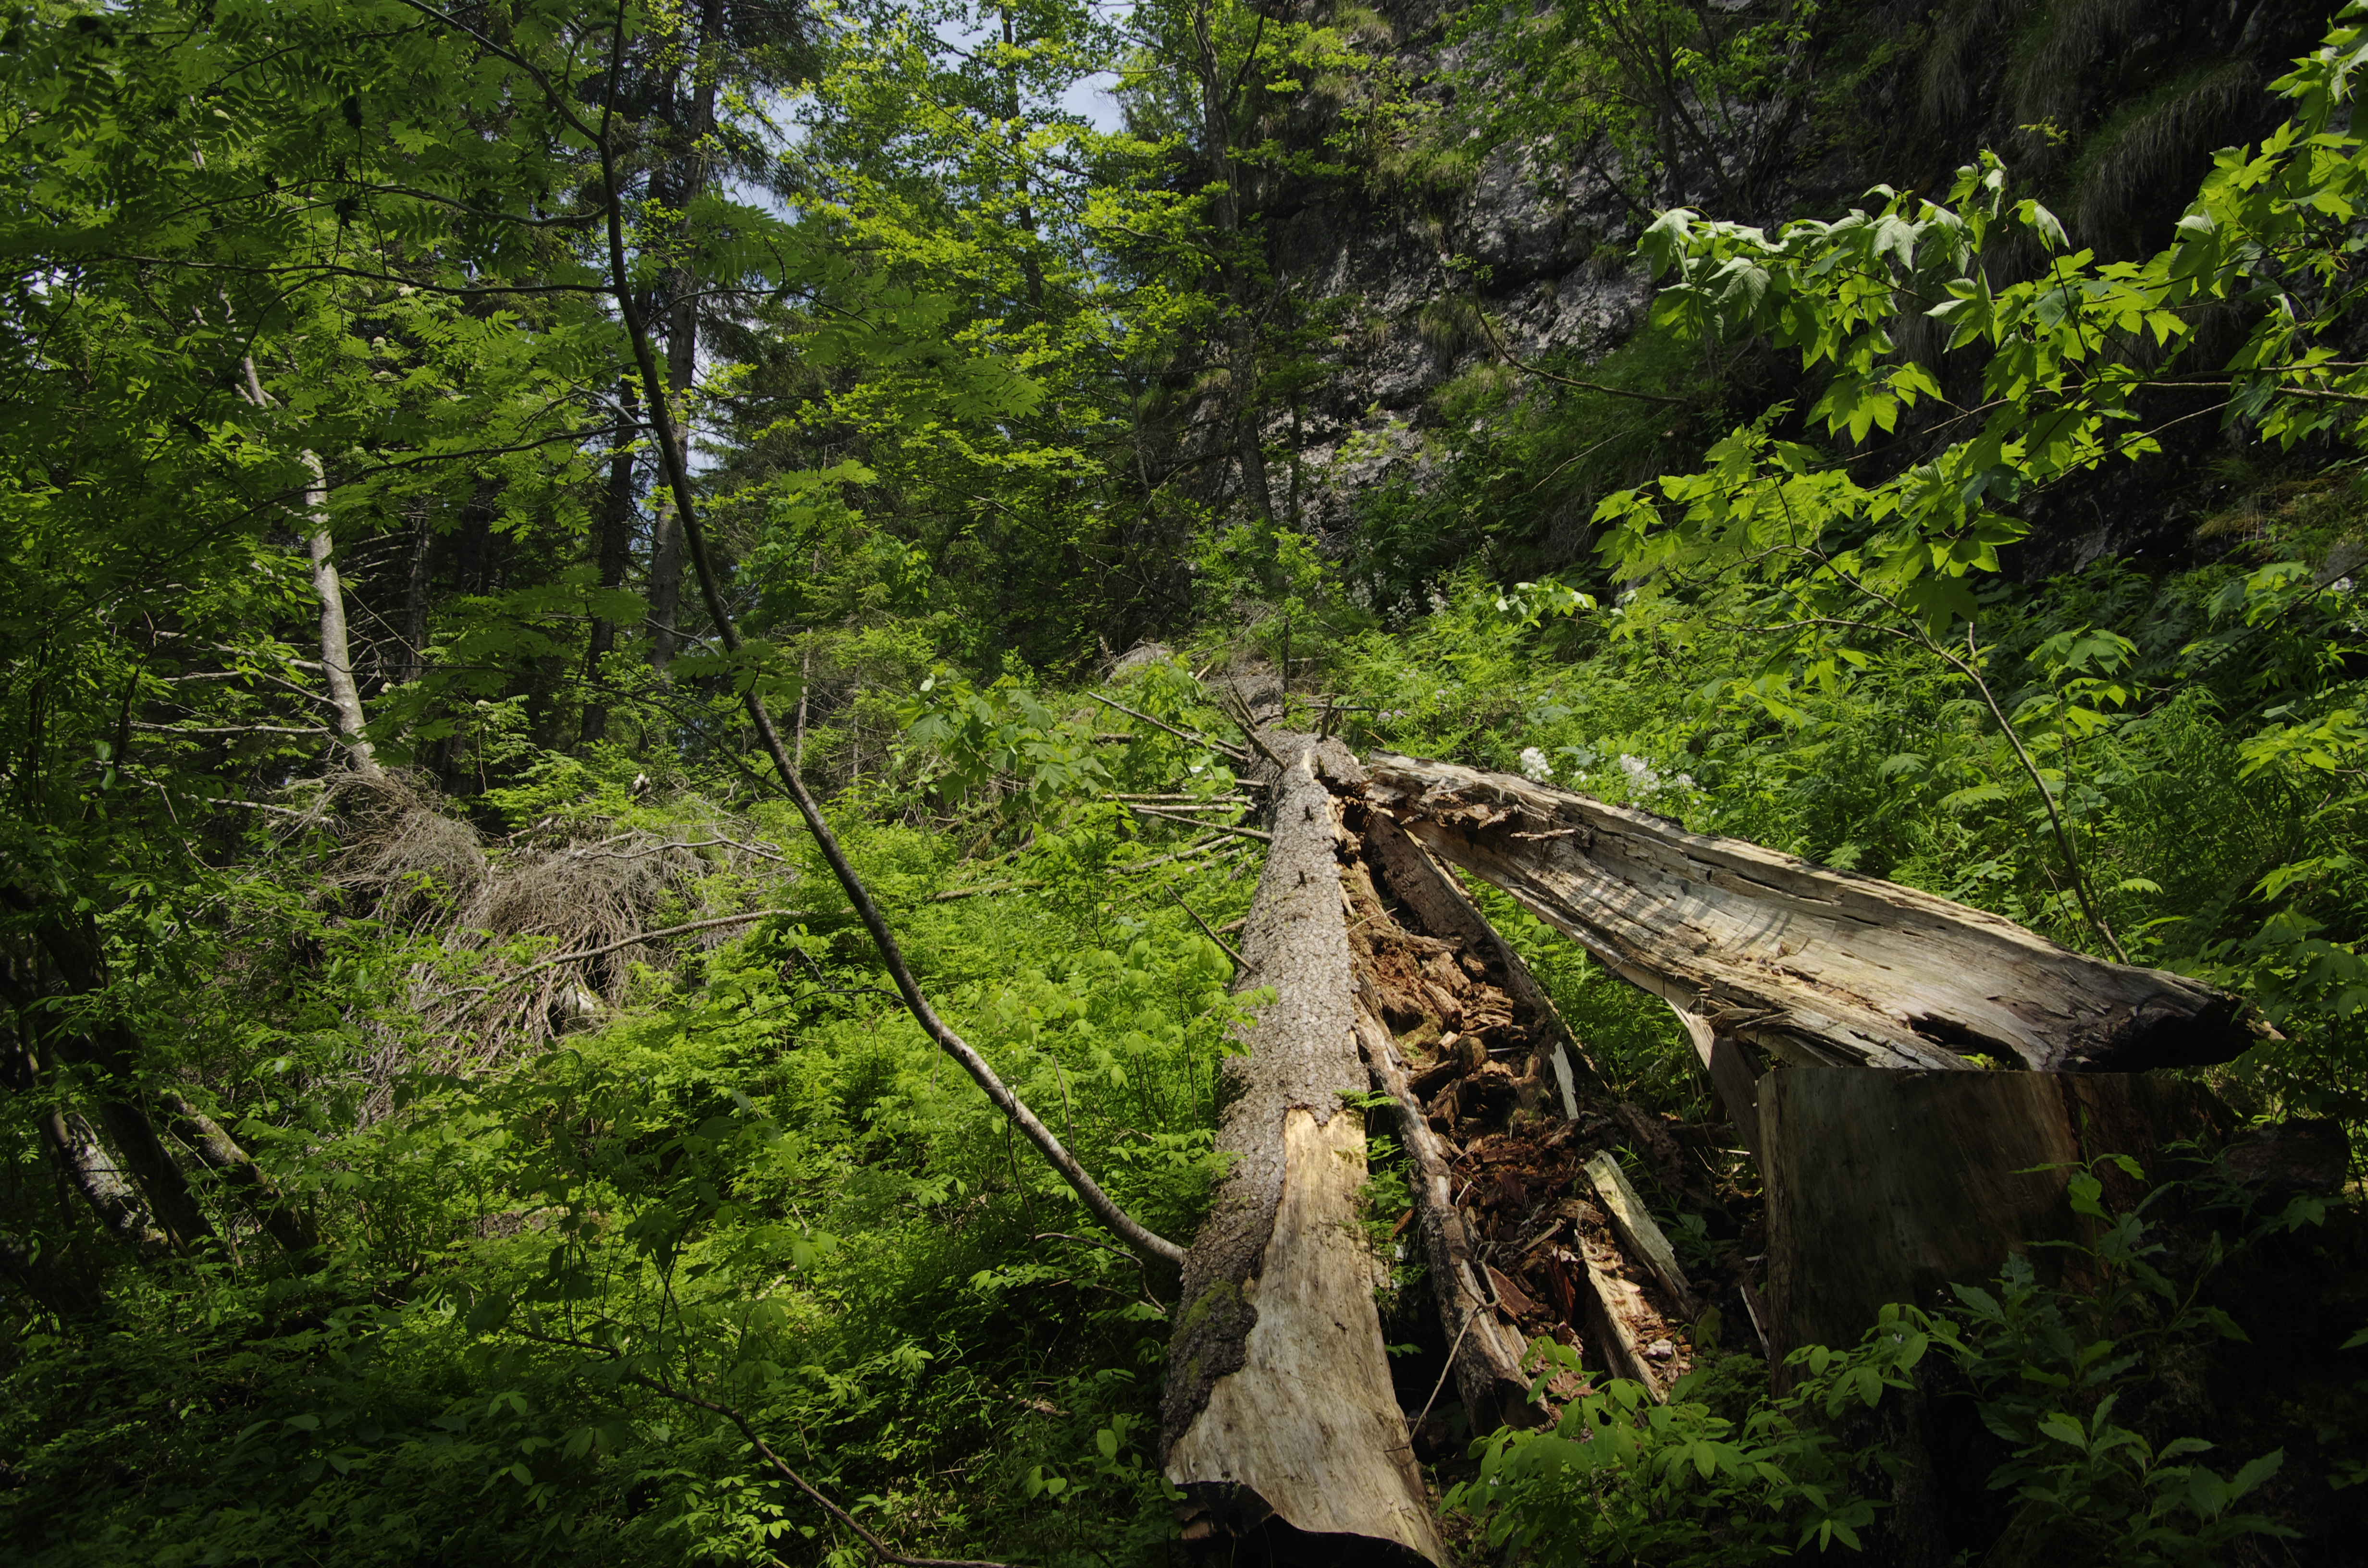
(1280, 1419)
(1818, 967)
(1502, 1114)
(1542, 1206)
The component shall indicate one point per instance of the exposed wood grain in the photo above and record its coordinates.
(1613, 1307)
(1818, 967)
(1301, 1426)
(1277, 1404)
(1637, 1230)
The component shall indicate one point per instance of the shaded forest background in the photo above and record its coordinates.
(434, 1049)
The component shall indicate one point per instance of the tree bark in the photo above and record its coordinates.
(103, 1050)
(84, 1161)
(1816, 967)
(337, 655)
(1891, 1186)
(690, 179)
(219, 1153)
(1224, 219)
(1278, 1414)
(415, 593)
(336, 649)
(616, 552)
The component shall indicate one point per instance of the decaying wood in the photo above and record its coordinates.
(1637, 1230)
(1445, 910)
(1890, 1187)
(1506, 1228)
(1816, 966)
(1614, 1309)
(1486, 1350)
(1279, 1404)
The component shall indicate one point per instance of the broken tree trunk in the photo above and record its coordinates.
(1891, 1186)
(1816, 967)
(1279, 1416)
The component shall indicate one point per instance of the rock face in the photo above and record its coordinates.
(1362, 262)
(1554, 272)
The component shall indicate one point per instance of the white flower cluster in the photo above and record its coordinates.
(1645, 781)
(1534, 766)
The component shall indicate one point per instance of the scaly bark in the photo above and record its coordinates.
(1278, 1407)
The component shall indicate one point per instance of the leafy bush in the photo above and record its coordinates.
(2050, 1370)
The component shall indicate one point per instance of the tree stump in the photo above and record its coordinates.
(1891, 1186)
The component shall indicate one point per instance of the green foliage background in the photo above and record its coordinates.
(946, 340)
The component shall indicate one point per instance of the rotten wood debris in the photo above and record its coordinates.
(1400, 1011)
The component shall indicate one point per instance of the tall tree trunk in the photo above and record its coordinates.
(237, 1171)
(415, 590)
(1224, 219)
(616, 552)
(33, 1263)
(84, 1161)
(336, 657)
(104, 1055)
(1278, 1417)
(1032, 272)
(682, 334)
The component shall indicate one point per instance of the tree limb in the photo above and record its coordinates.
(1506, 354)
(1152, 1247)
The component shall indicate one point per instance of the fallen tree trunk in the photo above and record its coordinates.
(1279, 1418)
(1816, 967)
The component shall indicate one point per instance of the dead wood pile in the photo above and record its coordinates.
(528, 943)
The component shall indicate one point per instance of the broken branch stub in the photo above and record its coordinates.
(1278, 1414)
(1818, 967)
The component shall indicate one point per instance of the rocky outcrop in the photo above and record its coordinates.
(1384, 274)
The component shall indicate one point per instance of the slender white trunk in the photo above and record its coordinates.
(337, 657)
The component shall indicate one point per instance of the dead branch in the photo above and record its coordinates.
(1167, 1254)
(1236, 752)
